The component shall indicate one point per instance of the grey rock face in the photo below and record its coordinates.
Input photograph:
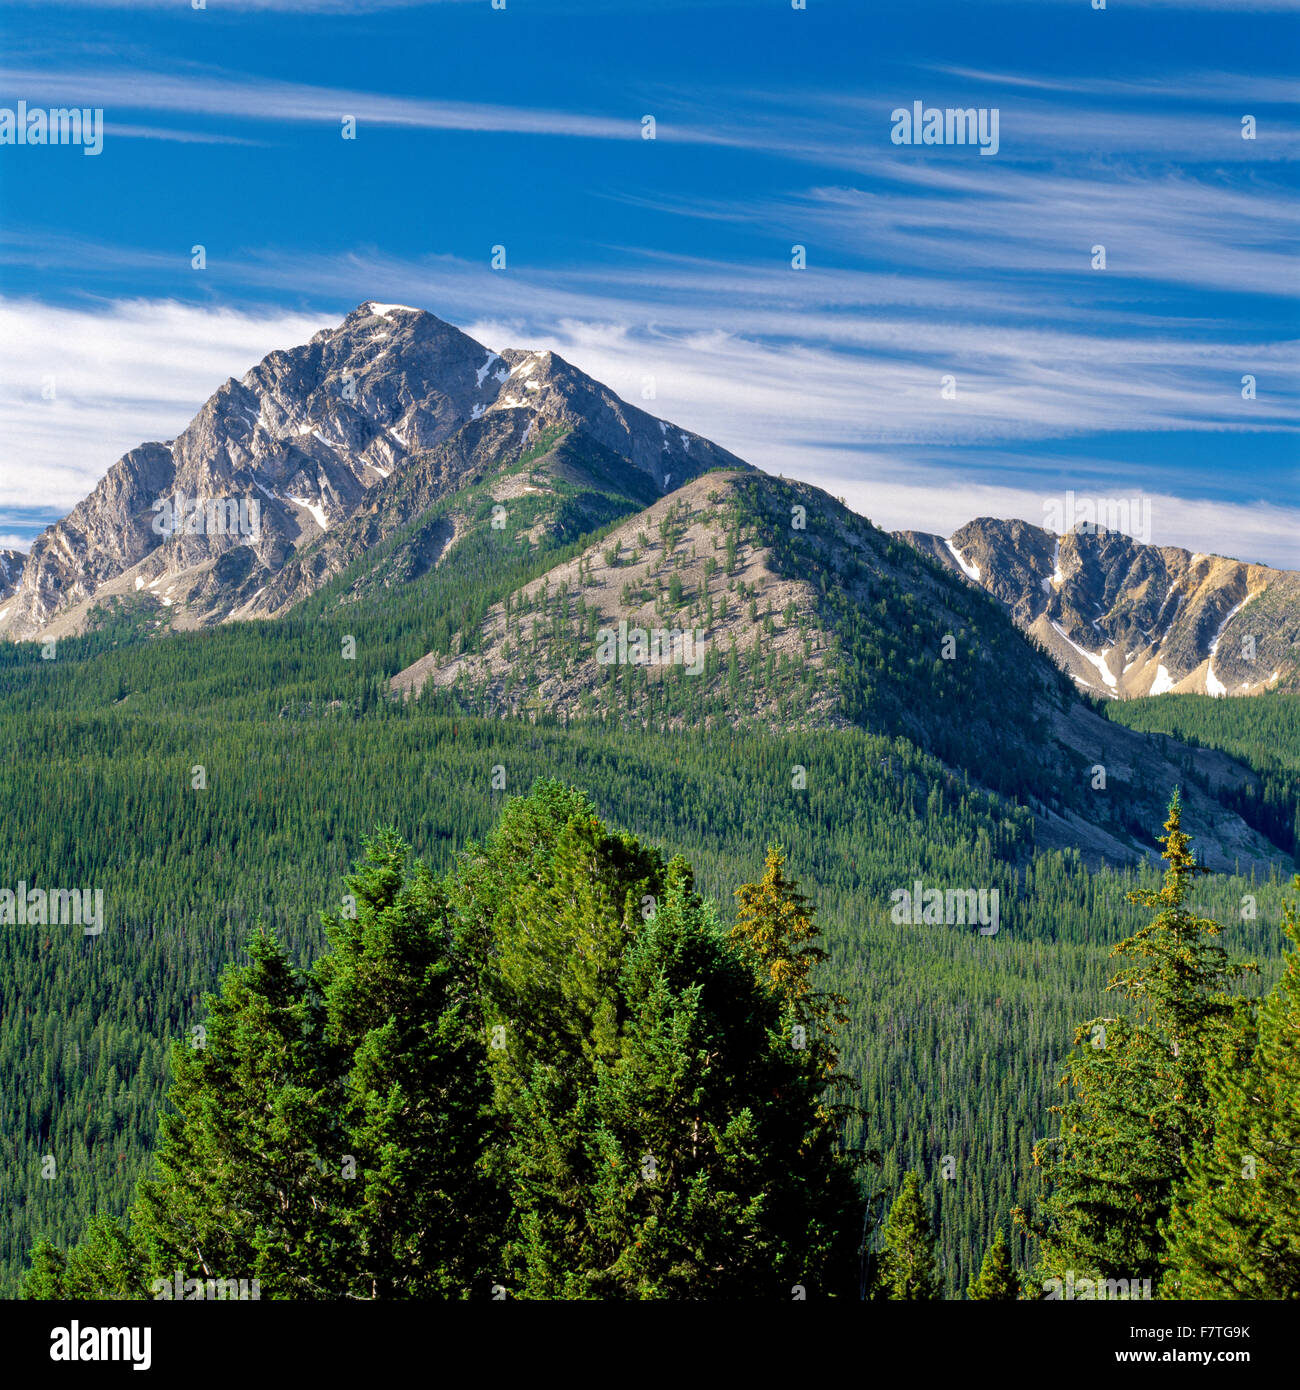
(559, 394)
(364, 419)
(1129, 619)
(11, 570)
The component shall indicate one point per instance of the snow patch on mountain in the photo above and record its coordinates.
(1098, 661)
(1214, 642)
(317, 511)
(482, 372)
(1162, 683)
(1057, 577)
(969, 570)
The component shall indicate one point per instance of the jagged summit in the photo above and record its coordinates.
(304, 441)
(1127, 619)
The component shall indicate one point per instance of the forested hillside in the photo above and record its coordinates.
(558, 1072)
(954, 1037)
(212, 779)
(1265, 734)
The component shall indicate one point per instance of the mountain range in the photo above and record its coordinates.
(335, 445)
(1128, 619)
(597, 562)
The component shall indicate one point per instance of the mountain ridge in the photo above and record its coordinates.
(803, 615)
(1126, 619)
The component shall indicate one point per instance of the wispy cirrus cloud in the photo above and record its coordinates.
(114, 130)
(1198, 87)
(841, 130)
(1170, 229)
(849, 399)
(242, 97)
(81, 386)
(864, 351)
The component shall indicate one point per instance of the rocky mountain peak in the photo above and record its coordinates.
(301, 442)
(1125, 618)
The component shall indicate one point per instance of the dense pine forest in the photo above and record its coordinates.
(218, 785)
(1264, 732)
(558, 1071)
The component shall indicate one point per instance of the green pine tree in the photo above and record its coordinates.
(247, 1176)
(774, 920)
(1234, 1231)
(44, 1277)
(997, 1278)
(1137, 1098)
(906, 1268)
(418, 1215)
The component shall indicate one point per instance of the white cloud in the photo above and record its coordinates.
(121, 374)
(850, 402)
(202, 92)
(114, 130)
(878, 381)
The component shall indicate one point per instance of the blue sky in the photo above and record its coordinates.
(671, 259)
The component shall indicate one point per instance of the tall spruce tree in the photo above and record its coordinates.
(713, 1111)
(997, 1279)
(1137, 1100)
(1234, 1231)
(246, 1185)
(774, 920)
(415, 1211)
(906, 1269)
